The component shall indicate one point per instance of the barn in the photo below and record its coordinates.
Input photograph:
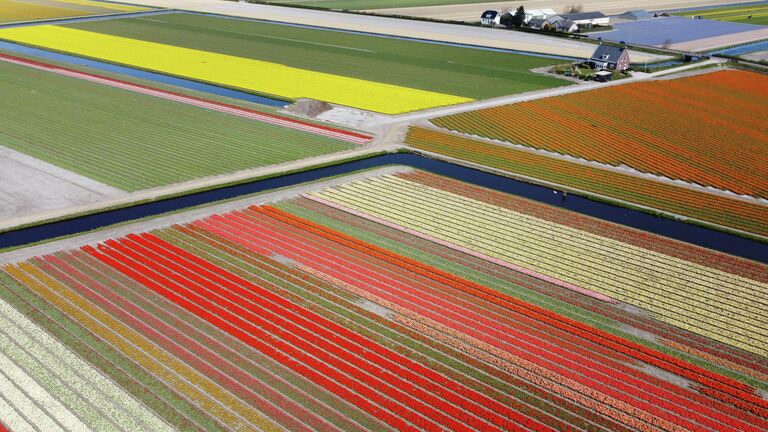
(587, 19)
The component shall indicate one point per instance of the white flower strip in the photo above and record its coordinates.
(57, 386)
(725, 305)
(28, 397)
(11, 419)
(102, 404)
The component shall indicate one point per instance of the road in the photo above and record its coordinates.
(470, 35)
(471, 12)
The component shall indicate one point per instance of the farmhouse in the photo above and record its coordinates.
(490, 18)
(610, 58)
(587, 19)
(556, 23)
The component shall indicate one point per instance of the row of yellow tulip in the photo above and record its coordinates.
(245, 73)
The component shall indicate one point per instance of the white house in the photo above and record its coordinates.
(490, 18)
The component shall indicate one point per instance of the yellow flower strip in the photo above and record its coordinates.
(260, 76)
(681, 293)
(201, 391)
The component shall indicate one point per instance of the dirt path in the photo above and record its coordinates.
(471, 12)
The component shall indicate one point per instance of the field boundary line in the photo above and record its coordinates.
(330, 132)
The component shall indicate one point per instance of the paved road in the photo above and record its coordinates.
(495, 38)
(471, 12)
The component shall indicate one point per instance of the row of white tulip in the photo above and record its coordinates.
(708, 301)
(83, 396)
(585, 273)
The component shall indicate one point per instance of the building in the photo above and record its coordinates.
(566, 26)
(610, 58)
(490, 18)
(587, 19)
(557, 23)
(538, 14)
(635, 15)
(536, 23)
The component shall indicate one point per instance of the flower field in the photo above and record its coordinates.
(366, 71)
(715, 208)
(691, 296)
(260, 76)
(701, 129)
(327, 312)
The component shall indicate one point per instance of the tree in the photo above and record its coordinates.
(574, 8)
(506, 19)
(519, 17)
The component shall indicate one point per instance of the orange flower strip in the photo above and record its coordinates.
(703, 129)
(709, 207)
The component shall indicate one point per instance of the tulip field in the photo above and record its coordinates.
(703, 129)
(715, 208)
(370, 306)
(290, 62)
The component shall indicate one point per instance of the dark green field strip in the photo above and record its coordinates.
(458, 71)
(132, 141)
(177, 411)
(424, 251)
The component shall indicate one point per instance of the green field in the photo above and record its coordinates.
(132, 141)
(459, 71)
(372, 4)
(741, 14)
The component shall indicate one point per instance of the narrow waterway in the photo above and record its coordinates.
(720, 241)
